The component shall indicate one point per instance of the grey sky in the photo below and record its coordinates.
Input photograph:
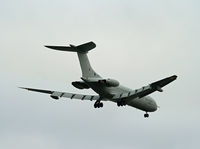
(138, 42)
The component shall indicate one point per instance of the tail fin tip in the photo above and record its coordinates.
(83, 48)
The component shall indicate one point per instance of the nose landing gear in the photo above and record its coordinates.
(146, 115)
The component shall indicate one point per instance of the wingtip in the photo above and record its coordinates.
(174, 77)
(22, 87)
(47, 46)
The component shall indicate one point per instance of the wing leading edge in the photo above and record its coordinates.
(57, 95)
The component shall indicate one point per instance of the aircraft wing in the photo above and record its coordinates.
(57, 95)
(146, 90)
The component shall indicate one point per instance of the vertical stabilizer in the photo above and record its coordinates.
(82, 50)
(87, 70)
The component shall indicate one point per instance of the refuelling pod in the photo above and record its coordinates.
(55, 95)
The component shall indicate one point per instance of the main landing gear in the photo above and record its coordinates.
(121, 103)
(146, 115)
(98, 104)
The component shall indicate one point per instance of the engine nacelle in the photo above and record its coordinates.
(80, 85)
(109, 82)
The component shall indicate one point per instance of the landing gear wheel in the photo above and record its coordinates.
(118, 104)
(98, 104)
(95, 105)
(121, 103)
(146, 115)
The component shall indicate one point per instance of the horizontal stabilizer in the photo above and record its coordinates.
(84, 48)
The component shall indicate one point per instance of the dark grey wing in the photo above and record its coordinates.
(157, 86)
(146, 90)
(57, 95)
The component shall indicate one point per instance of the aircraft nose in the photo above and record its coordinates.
(154, 106)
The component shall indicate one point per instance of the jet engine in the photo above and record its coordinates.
(109, 82)
(80, 85)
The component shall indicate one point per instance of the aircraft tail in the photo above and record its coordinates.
(82, 50)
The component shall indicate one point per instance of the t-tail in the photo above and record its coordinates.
(82, 50)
